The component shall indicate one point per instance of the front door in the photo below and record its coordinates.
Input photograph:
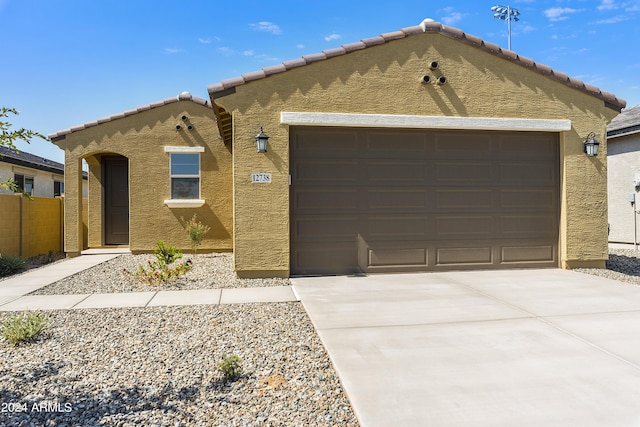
(116, 200)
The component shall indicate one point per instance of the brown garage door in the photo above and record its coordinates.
(379, 200)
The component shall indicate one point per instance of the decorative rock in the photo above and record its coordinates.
(158, 366)
(209, 271)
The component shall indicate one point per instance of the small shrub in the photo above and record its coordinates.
(23, 328)
(11, 265)
(196, 232)
(230, 366)
(166, 254)
(50, 257)
(162, 270)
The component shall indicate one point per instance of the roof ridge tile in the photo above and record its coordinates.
(428, 25)
(184, 96)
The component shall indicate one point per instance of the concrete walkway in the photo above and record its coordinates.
(14, 291)
(482, 348)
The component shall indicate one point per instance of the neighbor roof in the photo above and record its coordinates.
(227, 87)
(21, 158)
(184, 96)
(625, 123)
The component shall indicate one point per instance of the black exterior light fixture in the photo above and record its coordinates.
(261, 141)
(591, 145)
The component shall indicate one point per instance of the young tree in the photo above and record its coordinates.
(8, 138)
(196, 231)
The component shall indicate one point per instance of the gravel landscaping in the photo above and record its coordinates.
(157, 367)
(623, 265)
(210, 271)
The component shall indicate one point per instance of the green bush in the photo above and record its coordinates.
(162, 270)
(10, 265)
(166, 254)
(230, 366)
(196, 231)
(23, 327)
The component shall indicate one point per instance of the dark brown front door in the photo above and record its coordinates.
(116, 200)
(382, 200)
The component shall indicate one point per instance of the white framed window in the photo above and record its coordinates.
(184, 176)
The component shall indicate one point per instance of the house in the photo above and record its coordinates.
(424, 149)
(37, 176)
(623, 171)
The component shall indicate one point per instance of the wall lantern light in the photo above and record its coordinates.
(591, 145)
(261, 141)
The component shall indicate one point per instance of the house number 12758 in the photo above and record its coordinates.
(261, 178)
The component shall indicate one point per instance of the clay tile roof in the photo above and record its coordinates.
(184, 96)
(427, 26)
(334, 52)
(314, 57)
(392, 36)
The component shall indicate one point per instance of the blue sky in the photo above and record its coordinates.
(67, 62)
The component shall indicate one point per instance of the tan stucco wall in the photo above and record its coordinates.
(30, 227)
(141, 138)
(385, 79)
(10, 212)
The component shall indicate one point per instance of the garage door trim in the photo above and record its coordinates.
(423, 122)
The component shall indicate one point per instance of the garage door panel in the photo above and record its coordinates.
(528, 199)
(527, 146)
(528, 254)
(317, 228)
(452, 256)
(407, 257)
(462, 146)
(323, 172)
(378, 146)
(469, 173)
(395, 172)
(325, 142)
(325, 259)
(536, 174)
(409, 228)
(468, 199)
(422, 200)
(317, 200)
(471, 226)
(395, 199)
(528, 225)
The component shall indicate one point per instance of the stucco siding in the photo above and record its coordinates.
(387, 79)
(624, 168)
(141, 138)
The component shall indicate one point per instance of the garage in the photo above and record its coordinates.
(366, 200)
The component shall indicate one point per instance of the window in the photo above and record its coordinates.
(24, 183)
(185, 175)
(58, 188)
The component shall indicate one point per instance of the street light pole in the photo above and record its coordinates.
(506, 13)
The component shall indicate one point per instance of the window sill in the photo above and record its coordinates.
(184, 203)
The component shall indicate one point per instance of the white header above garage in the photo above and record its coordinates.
(424, 122)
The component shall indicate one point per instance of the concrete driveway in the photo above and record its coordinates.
(483, 348)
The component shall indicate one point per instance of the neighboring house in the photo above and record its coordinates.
(424, 149)
(36, 175)
(623, 170)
